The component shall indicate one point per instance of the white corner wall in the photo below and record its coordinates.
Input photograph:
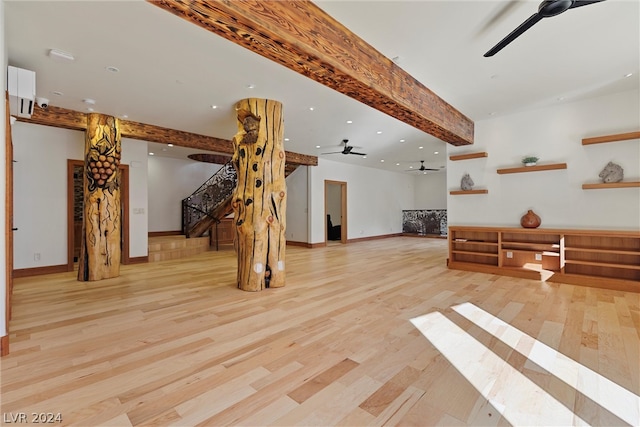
(431, 190)
(375, 199)
(297, 205)
(170, 181)
(40, 193)
(134, 154)
(554, 135)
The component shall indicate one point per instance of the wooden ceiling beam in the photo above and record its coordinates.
(76, 120)
(302, 37)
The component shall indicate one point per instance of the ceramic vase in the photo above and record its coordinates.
(530, 220)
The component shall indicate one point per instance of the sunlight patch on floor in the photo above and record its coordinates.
(614, 398)
(516, 397)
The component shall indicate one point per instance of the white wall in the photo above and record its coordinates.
(334, 203)
(375, 199)
(134, 154)
(3, 266)
(554, 135)
(170, 181)
(40, 193)
(430, 190)
(297, 205)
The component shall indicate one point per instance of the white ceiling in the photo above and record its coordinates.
(172, 72)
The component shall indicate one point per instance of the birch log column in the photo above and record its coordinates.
(259, 199)
(100, 245)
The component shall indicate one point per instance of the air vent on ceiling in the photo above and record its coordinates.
(21, 85)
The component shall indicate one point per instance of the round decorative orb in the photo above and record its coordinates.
(530, 220)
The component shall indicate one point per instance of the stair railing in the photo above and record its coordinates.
(209, 196)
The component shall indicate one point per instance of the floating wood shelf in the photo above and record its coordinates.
(621, 184)
(533, 168)
(457, 192)
(469, 156)
(611, 138)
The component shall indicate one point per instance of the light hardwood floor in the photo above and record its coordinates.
(175, 343)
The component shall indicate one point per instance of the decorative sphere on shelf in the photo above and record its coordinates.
(530, 220)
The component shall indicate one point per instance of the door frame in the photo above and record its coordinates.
(124, 207)
(343, 209)
(8, 226)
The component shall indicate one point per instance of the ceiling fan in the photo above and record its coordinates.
(348, 149)
(547, 9)
(422, 168)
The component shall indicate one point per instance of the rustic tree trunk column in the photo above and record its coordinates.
(100, 246)
(259, 199)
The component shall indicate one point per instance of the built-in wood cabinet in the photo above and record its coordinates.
(609, 259)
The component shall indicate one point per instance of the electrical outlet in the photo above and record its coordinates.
(538, 257)
(36, 256)
(509, 254)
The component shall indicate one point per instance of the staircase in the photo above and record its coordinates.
(209, 203)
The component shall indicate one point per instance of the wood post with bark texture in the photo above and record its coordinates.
(100, 250)
(259, 199)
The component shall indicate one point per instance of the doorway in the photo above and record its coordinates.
(335, 211)
(75, 208)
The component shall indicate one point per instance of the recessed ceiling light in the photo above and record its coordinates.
(424, 173)
(58, 54)
(410, 167)
(420, 148)
(397, 164)
(379, 132)
(57, 93)
(364, 157)
(251, 86)
(124, 116)
(493, 113)
(402, 140)
(89, 101)
(310, 108)
(382, 161)
(286, 139)
(628, 75)
(90, 109)
(151, 154)
(435, 152)
(560, 98)
(214, 107)
(112, 69)
(169, 145)
(349, 122)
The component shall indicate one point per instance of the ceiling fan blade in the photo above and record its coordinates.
(533, 19)
(579, 3)
(358, 154)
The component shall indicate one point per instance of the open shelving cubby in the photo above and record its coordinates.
(601, 258)
(536, 168)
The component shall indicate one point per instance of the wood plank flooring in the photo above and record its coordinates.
(175, 343)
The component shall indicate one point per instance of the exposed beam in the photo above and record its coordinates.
(302, 37)
(76, 120)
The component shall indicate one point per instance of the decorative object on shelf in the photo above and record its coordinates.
(466, 183)
(530, 161)
(530, 220)
(612, 173)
